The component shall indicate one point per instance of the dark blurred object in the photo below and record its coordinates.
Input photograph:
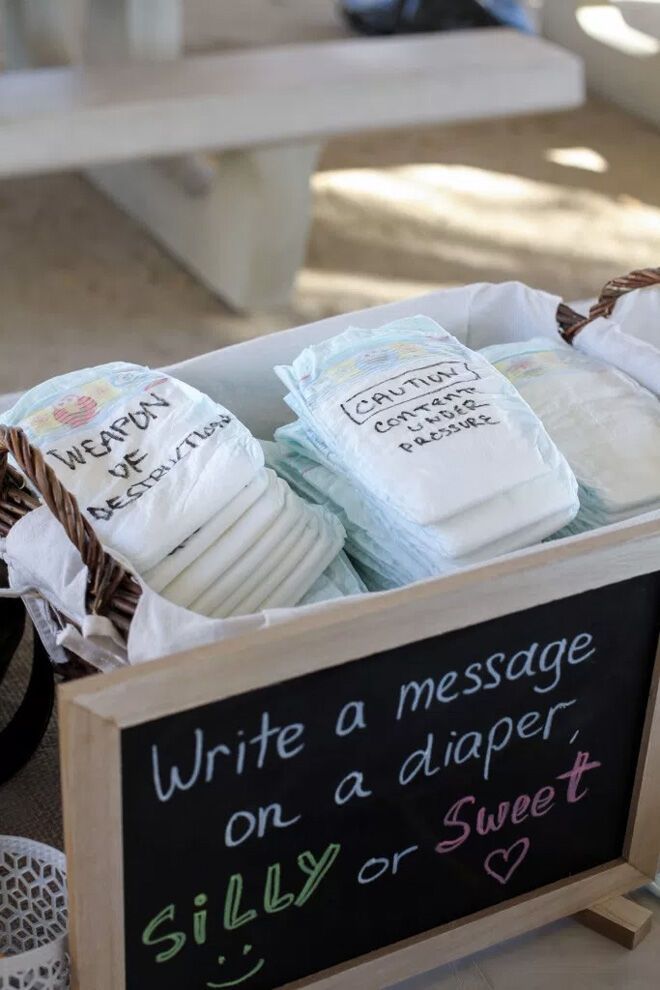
(24, 731)
(411, 16)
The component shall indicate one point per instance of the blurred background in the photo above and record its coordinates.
(562, 201)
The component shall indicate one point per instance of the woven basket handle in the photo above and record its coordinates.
(105, 574)
(642, 278)
(617, 287)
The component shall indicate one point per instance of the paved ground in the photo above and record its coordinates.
(394, 214)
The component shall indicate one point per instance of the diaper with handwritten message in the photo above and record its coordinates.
(426, 440)
(149, 458)
(175, 485)
(430, 426)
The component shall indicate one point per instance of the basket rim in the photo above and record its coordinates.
(112, 590)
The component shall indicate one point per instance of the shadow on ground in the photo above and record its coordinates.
(394, 215)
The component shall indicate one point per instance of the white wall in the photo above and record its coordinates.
(619, 41)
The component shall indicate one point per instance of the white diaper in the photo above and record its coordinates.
(255, 559)
(338, 580)
(306, 539)
(319, 553)
(392, 547)
(176, 562)
(176, 488)
(219, 564)
(428, 426)
(607, 425)
(274, 568)
(149, 459)
(500, 523)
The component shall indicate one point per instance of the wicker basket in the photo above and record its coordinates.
(111, 590)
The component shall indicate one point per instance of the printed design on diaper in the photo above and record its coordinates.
(366, 362)
(88, 401)
(537, 364)
(73, 410)
(413, 384)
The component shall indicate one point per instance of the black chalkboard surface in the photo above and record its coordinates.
(273, 834)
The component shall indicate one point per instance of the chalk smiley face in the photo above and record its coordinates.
(256, 968)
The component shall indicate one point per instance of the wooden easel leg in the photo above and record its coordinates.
(619, 918)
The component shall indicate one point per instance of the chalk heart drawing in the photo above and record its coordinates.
(502, 863)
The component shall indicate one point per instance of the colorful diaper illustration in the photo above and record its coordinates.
(89, 401)
(537, 364)
(73, 410)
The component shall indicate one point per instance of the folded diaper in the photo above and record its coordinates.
(486, 529)
(430, 427)
(259, 584)
(266, 518)
(421, 484)
(149, 459)
(176, 487)
(387, 548)
(307, 556)
(338, 580)
(182, 556)
(383, 556)
(256, 555)
(607, 425)
(310, 565)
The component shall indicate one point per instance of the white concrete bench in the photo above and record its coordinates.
(238, 215)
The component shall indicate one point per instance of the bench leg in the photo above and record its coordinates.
(117, 30)
(239, 221)
(62, 32)
(38, 32)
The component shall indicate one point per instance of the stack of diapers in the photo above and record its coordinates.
(426, 452)
(606, 424)
(176, 488)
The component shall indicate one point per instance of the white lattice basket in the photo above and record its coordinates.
(33, 916)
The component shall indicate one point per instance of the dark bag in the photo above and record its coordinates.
(404, 16)
(20, 738)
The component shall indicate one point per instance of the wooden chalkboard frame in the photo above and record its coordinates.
(94, 711)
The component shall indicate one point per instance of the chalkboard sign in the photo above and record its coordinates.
(276, 833)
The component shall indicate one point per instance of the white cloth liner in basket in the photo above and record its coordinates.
(33, 916)
(604, 338)
(41, 559)
(629, 337)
